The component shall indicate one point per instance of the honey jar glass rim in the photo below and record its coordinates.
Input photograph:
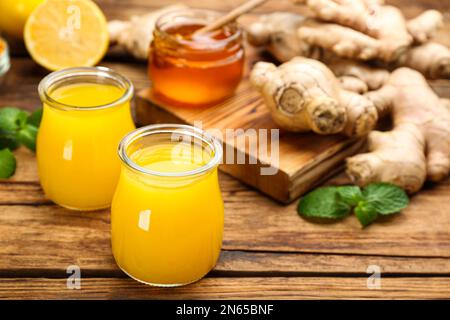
(191, 131)
(219, 43)
(55, 77)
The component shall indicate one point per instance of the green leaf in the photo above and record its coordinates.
(323, 203)
(27, 136)
(7, 163)
(35, 118)
(385, 198)
(8, 142)
(365, 213)
(12, 119)
(351, 195)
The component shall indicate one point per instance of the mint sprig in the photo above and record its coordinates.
(367, 204)
(17, 127)
(35, 118)
(365, 213)
(27, 136)
(7, 163)
(11, 120)
(351, 195)
(324, 203)
(385, 198)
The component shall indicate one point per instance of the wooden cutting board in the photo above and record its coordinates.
(305, 160)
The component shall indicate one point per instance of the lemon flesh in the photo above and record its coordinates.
(61, 34)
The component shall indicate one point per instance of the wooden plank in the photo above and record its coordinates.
(51, 254)
(252, 222)
(230, 288)
(243, 263)
(415, 232)
(420, 230)
(270, 227)
(21, 193)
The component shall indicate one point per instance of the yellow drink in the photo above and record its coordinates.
(167, 212)
(86, 113)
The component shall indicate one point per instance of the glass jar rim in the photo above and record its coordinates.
(194, 132)
(171, 15)
(68, 73)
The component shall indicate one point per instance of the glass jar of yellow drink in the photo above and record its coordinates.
(167, 213)
(86, 114)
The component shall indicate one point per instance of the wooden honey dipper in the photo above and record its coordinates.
(231, 16)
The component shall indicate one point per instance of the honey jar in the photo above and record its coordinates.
(190, 70)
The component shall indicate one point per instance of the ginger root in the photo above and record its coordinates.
(418, 147)
(135, 35)
(431, 59)
(387, 160)
(368, 17)
(342, 41)
(353, 84)
(373, 78)
(287, 35)
(304, 95)
(277, 32)
(423, 27)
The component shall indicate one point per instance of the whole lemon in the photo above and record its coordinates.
(14, 15)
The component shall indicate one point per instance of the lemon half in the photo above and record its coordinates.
(61, 34)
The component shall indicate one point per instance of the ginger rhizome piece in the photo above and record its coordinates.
(418, 146)
(277, 33)
(304, 95)
(368, 17)
(431, 59)
(423, 27)
(371, 78)
(342, 41)
(287, 35)
(346, 35)
(353, 84)
(134, 36)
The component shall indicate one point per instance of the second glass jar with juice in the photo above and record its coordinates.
(167, 213)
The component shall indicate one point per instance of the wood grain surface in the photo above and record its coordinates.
(287, 288)
(269, 251)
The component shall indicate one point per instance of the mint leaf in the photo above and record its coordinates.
(365, 213)
(7, 163)
(323, 203)
(385, 198)
(35, 118)
(27, 136)
(8, 142)
(351, 195)
(12, 119)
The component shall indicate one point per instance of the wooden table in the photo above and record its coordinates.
(269, 252)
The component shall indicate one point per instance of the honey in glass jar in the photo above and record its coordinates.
(191, 70)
